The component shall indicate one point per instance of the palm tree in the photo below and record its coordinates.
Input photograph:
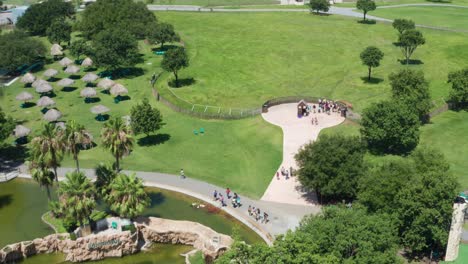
(116, 136)
(104, 177)
(127, 196)
(75, 137)
(77, 196)
(42, 175)
(49, 147)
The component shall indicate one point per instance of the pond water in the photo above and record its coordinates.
(22, 202)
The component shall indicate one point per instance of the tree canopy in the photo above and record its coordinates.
(145, 118)
(332, 166)
(371, 57)
(409, 41)
(459, 91)
(17, 49)
(411, 88)
(390, 127)
(7, 125)
(174, 60)
(319, 5)
(126, 15)
(402, 25)
(59, 31)
(79, 47)
(115, 48)
(38, 17)
(365, 6)
(162, 33)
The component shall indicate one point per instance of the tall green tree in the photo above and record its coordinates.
(390, 127)
(79, 47)
(38, 17)
(77, 196)
(105, 174)
(365, 6)
(145, 118)
(7, 124)
(117, 138)
(130, 16)
(319, 5)
(371, 57)
(115, 48)
(335, 176)
(411, 88)
(127, 196)
(409, 41)
(49, 146)
(162, 33)
(59, 31)
(459, 91)
(41, 174)
(17, 49)
(401, 25)
(174, 60)
(75, 137)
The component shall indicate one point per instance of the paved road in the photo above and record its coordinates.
(282, 216)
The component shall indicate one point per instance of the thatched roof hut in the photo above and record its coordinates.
(72, 69)
(45, 101)
(105, 83)
(90, 77)
(50, 73)
(28, 78)
(65, 82)
(88, 92)
(24, 96)
(118, 89)
(21, 131)
(65, 62)
(38, 82)
(99, 109)
(56, 50)
(44, 88)
(87, 62)
(52, 115)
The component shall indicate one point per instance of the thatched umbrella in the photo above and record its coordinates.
(24, 96)
(45, 101)
(65, 82)
(44, 88)
(88, 92)
(38, 82)
(105, 83)
(52, 115)
(99, 110)
(89, 77)
(72, 69)
(65, 62)
(21, 131)
(50, 73)
(87, 62)
(56, 50)
(118, 89)
(28, 78)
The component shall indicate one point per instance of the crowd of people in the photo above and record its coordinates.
(257, 215)
(285, 173)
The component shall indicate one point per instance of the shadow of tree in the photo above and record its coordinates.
(367, 22)
(182, 82)
(411, 62)
(152, 140)
(5, 200)
(372, 80)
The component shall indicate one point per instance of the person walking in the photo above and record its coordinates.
(265, 218)
(182, 174)
(249, 210)
(215, 195)
(228, 192)
(277, 175)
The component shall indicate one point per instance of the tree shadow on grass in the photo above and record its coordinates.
(396, 44)
(5, 200)
(411, 62)
(74, 77)
(165, 48)
(367, 22)
(372, 80)
(11, 155)
(128, 73)
(68, 89)
(319, 14)
(182, 82)
(28, 105)
(153, 140)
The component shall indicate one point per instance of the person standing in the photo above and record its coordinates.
(182, 174)
(228, 193)
(215, 195)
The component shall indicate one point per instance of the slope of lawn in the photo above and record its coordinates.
(244, 59)
(214, 2)
(400, 2)
(242, 154)
(444, 17)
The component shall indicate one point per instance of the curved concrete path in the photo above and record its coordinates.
(296, 133)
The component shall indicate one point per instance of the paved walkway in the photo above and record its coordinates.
(296, 133)
(456, 227)
(282, 216)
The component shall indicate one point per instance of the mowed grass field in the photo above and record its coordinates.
(242, 154)
(215, 2)
(444, 17)
(400, 2)
(244, 59)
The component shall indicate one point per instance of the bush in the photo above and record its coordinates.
(69, 225)
(98, 215)
(55, 209)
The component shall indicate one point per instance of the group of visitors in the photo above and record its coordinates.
(285, 173)
(256, 213)
(327, 106)
(235, 201)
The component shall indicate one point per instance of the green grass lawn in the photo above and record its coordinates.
(215, 2)
(445, 17)
(462, 255)
(399, 2)
(242, 59)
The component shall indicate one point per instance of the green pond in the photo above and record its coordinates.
(22, 202)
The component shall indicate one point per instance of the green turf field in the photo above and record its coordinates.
(215, 2)
(399, 2)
